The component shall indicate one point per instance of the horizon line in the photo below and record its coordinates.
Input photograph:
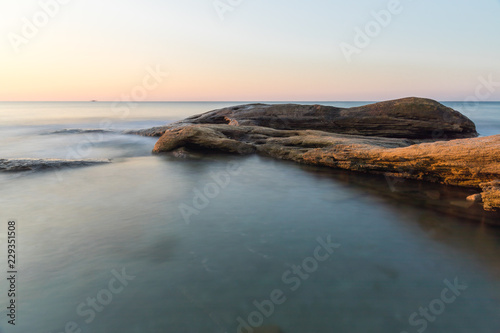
(229, 101)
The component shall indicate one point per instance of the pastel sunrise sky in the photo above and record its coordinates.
(249, 50)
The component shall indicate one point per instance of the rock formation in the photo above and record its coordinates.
(32, 164)
(396, 138)
(412, 118)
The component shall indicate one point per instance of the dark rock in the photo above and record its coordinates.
(413, 118)
(79, 131)
(31, 164)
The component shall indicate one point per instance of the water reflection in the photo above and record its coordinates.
(396, 248)
(448, 200)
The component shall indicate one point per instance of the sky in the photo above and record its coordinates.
(249, 50)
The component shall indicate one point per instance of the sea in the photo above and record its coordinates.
(223, 243)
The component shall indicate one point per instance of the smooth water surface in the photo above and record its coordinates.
(205, 243)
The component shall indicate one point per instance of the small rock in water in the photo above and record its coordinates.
(475, 197)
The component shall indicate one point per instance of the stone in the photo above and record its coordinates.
(35, 164)
(412, 118)
(491, 195)
(475, 197)
(460, 162)
(395, 138)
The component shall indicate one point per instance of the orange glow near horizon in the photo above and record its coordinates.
(288, 56)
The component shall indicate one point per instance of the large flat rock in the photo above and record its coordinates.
(461, 162)
(409, 138)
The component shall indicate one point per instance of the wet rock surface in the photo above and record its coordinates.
(34, 164)
(394, 138)
(413, 118)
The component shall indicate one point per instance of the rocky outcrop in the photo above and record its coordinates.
(412, 118)
(79, 131)
(461, 162)
(32, 164)
(409, 151)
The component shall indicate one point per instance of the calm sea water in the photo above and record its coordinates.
(215, 243)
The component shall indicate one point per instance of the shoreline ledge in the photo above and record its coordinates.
(38, 164)
(412, 138)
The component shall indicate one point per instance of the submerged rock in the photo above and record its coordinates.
(30, 164)
(413, 118)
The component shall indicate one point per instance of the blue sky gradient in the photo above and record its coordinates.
(261, 50)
